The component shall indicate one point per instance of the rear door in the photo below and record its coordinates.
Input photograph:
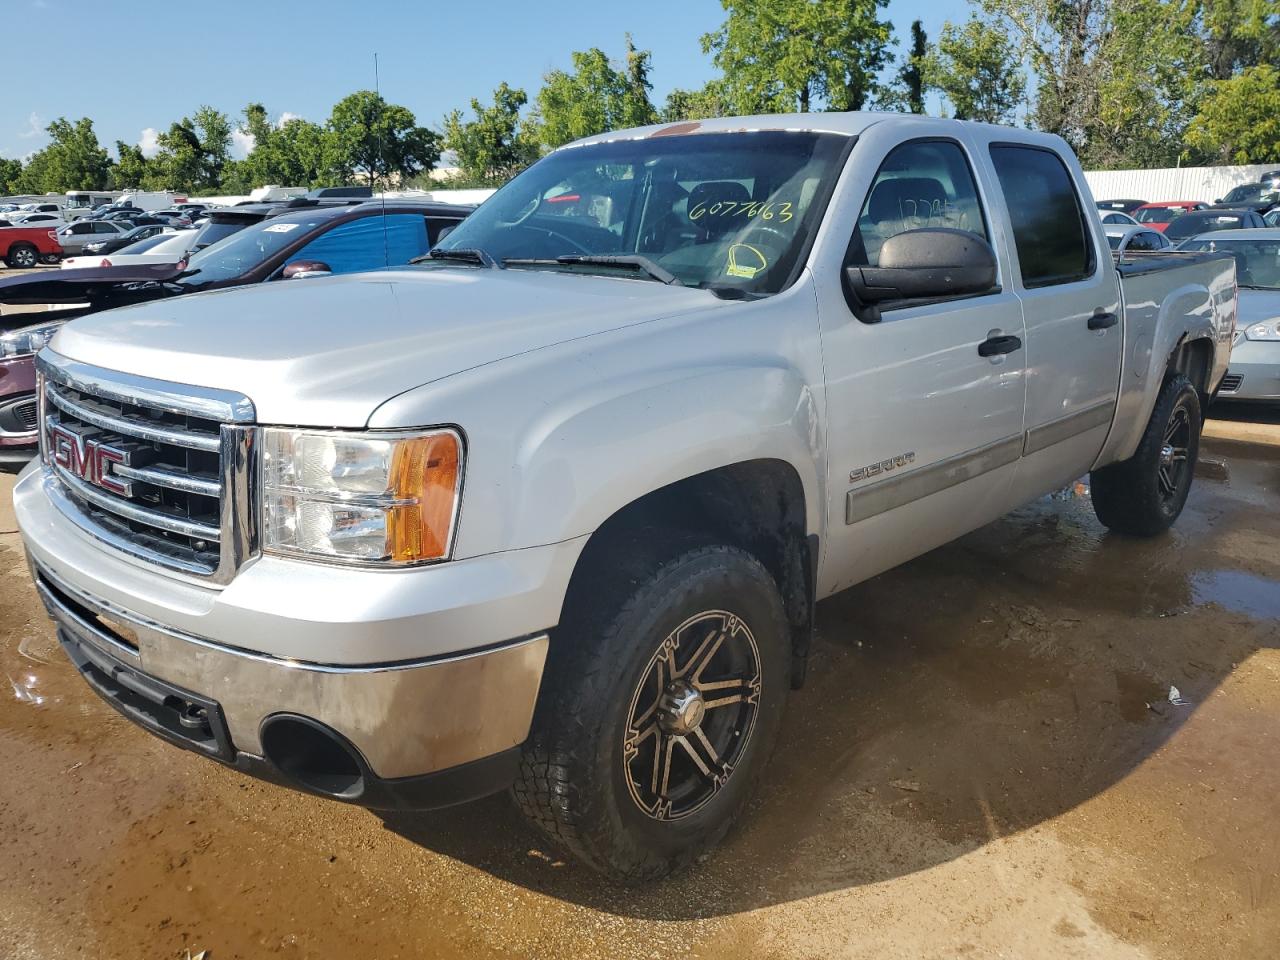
(924, 431)
(1065, 280)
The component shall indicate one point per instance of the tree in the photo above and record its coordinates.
(130, 171)
(1239, 119)
(710, 101)
(976, 68)
(371, 139)
(193, 153)
(783, 55)
(906, 93)
(495, 146)
(73, 160)
(10, 171)
(595, 97)
(292, 153)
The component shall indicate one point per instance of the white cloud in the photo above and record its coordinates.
(35, 127)
(149, 142)
(287, 116)
(242, 143)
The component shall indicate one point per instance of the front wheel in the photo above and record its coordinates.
(1144, 495)
(663, 701)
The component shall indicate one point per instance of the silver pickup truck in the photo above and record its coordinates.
(551, 510)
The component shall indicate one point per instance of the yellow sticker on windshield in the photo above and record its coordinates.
(745, 261)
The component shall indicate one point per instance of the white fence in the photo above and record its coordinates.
(1174, 183)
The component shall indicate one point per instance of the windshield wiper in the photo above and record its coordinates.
(630, 261)
(467, 254)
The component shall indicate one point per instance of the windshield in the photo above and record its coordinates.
(146, 243)
(712, 209)
(1257, 261)
(1203, 223)
(242, 248)
(76, 201)
(1158, 214)
(1246, 193)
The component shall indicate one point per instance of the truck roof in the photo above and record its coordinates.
(846, 124)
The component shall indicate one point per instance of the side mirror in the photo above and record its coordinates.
(920, 265)
(302, 269)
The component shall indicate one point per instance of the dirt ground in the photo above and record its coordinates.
(984, 763)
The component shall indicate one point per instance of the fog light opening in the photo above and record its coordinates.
(313, 755)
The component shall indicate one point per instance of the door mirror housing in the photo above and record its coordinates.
(925, 264)
(302, 269)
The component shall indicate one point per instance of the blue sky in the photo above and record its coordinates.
(300, 58)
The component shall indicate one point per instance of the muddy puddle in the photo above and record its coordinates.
(985, 758)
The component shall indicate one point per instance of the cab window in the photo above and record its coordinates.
(1049, 227)
(924, 183)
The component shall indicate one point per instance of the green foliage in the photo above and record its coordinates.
(495, 146)
(193, 154)
(372, 140)
(710, 101)
(905, 93)
(595, 97)
(130, 171)
(1239, 119)
(295, 153)
(976, 69)
(784, 55)
(10, 171)
(73, 160)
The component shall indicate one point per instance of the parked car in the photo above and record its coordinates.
(1272, 219)
(1124, 206)
(113, 243)
(1212, 218)
(307, 240)
(75, 235)
(1158, 216)
(1115, 217)
(168, 247)
(31, 220)
(175, 218)
(1254, 373)
(19, 417)
(1258, 197)
(1135, 239)
(552, 510)
(24, 247)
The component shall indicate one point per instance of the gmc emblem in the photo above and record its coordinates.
(88, 459)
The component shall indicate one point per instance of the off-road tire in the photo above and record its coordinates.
(21, 256)
(574, 784)
(1128, 496)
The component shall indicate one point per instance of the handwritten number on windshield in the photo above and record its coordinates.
(781, 210)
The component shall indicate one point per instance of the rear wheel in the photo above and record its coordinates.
(22, 256)
(1144, 495)
(661, 707)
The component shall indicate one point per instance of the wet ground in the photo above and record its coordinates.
(985, 763)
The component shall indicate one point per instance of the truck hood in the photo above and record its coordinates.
(328, 352)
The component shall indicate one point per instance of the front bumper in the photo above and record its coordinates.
(1254, 372)
(423, 673)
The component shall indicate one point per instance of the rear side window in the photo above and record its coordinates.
(369, 243)
(1049, 228)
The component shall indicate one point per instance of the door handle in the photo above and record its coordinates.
(1101, 321)
(993, 346)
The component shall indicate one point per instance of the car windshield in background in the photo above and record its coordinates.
(1248, 193)
(145, 244)
(1194, 223)
(243, 250)
(1257, 261)
(1158, 214)
(720, 210)
(215, 230)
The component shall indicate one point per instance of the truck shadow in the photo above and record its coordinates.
(974, 693)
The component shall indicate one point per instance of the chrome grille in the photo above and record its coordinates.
(158, 470)
(1232, 382)
(26, 414)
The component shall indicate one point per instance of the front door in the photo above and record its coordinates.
(924, 422)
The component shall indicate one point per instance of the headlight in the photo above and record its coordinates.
(1269, 330)
(27, 341)
(378, 498)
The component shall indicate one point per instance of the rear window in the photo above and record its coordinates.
(1158, 214)
(1049, 227)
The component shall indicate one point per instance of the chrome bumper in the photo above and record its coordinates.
(405, 719)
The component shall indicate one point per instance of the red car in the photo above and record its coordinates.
(1157, 216)
(22, 247)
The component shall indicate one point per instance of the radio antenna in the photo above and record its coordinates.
(377, 90)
